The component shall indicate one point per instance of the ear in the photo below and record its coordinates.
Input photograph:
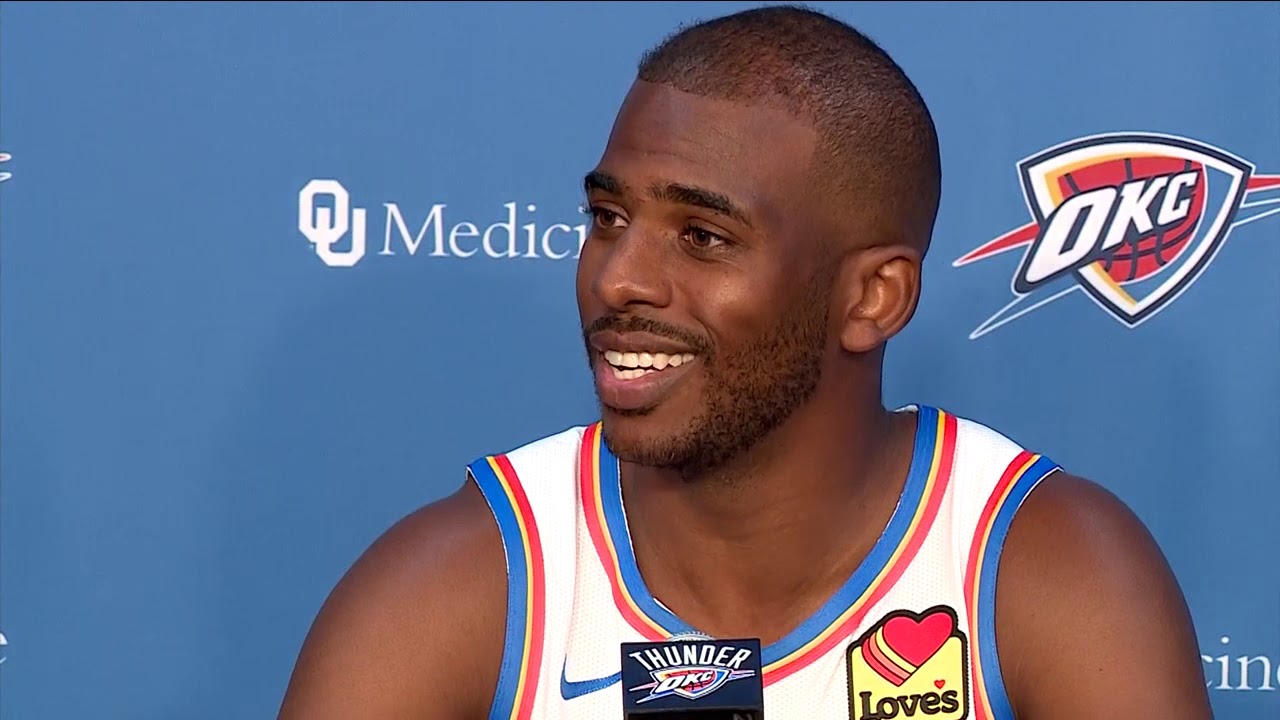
(881, 290)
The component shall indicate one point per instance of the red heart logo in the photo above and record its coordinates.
(915, 641)
(939, 683)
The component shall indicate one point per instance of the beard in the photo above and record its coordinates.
(749, 390)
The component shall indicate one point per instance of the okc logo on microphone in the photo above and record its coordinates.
(1132, 219)
(691, 670)
(910, 665)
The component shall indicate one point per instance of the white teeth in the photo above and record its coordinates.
(630, 374)
(631, 365)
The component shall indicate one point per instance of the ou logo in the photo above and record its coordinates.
(324, 226)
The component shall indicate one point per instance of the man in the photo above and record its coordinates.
(760, 215)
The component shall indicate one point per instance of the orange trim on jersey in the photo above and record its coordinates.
(925, 512)
(588, 478)
(1019, 479)
(921, 498)
(522, 654)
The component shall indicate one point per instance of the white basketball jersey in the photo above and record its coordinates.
(911, 633)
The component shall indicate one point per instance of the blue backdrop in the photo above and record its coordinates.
(202, 423)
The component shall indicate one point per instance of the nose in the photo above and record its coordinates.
(633, 271)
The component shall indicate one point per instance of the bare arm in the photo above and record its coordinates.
(415, 627)
(1090, 620)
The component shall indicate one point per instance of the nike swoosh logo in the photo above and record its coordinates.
(576, 689)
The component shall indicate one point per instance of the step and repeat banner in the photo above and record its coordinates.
(271, 274)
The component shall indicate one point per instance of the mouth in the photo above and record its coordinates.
(631, 365)
(637, 371)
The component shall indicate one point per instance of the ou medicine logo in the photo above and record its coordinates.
(1132, 219)
(338, 231)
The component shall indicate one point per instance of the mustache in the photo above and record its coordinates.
(697, 343)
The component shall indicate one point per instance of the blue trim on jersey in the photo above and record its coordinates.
(504, 697)
(913, 490)
(1001, 708)
(881, 553)
(615, 518)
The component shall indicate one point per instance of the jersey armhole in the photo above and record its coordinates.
(522, 646)
(1024, 474)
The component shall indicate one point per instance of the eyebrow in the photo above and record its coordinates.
(672, 192)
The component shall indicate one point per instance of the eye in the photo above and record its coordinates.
(703, 239)
(603, 217)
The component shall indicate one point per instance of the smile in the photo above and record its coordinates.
(634, 365)
(634, 379)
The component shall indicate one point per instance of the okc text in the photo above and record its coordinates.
(1090, 225)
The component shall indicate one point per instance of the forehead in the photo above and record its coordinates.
(757, 156)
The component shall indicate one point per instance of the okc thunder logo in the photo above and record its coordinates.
(1131, 219)
(705, 668)
(690, 682)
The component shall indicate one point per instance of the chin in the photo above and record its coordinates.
(646, 437)
(626, 429)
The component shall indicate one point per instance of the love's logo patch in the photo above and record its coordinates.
(910, 665)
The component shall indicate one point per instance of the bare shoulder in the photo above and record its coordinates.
(1090, 619)
(415, 627)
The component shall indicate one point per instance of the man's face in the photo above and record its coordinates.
(703, 298)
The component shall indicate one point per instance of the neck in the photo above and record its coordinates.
(778, 530)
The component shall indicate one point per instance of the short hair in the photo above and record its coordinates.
(878, 140)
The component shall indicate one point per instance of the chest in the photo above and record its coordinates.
(908, 654)
(820, 690)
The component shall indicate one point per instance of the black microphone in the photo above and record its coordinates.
(692, 678)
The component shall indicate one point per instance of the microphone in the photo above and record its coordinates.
(692, 678)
